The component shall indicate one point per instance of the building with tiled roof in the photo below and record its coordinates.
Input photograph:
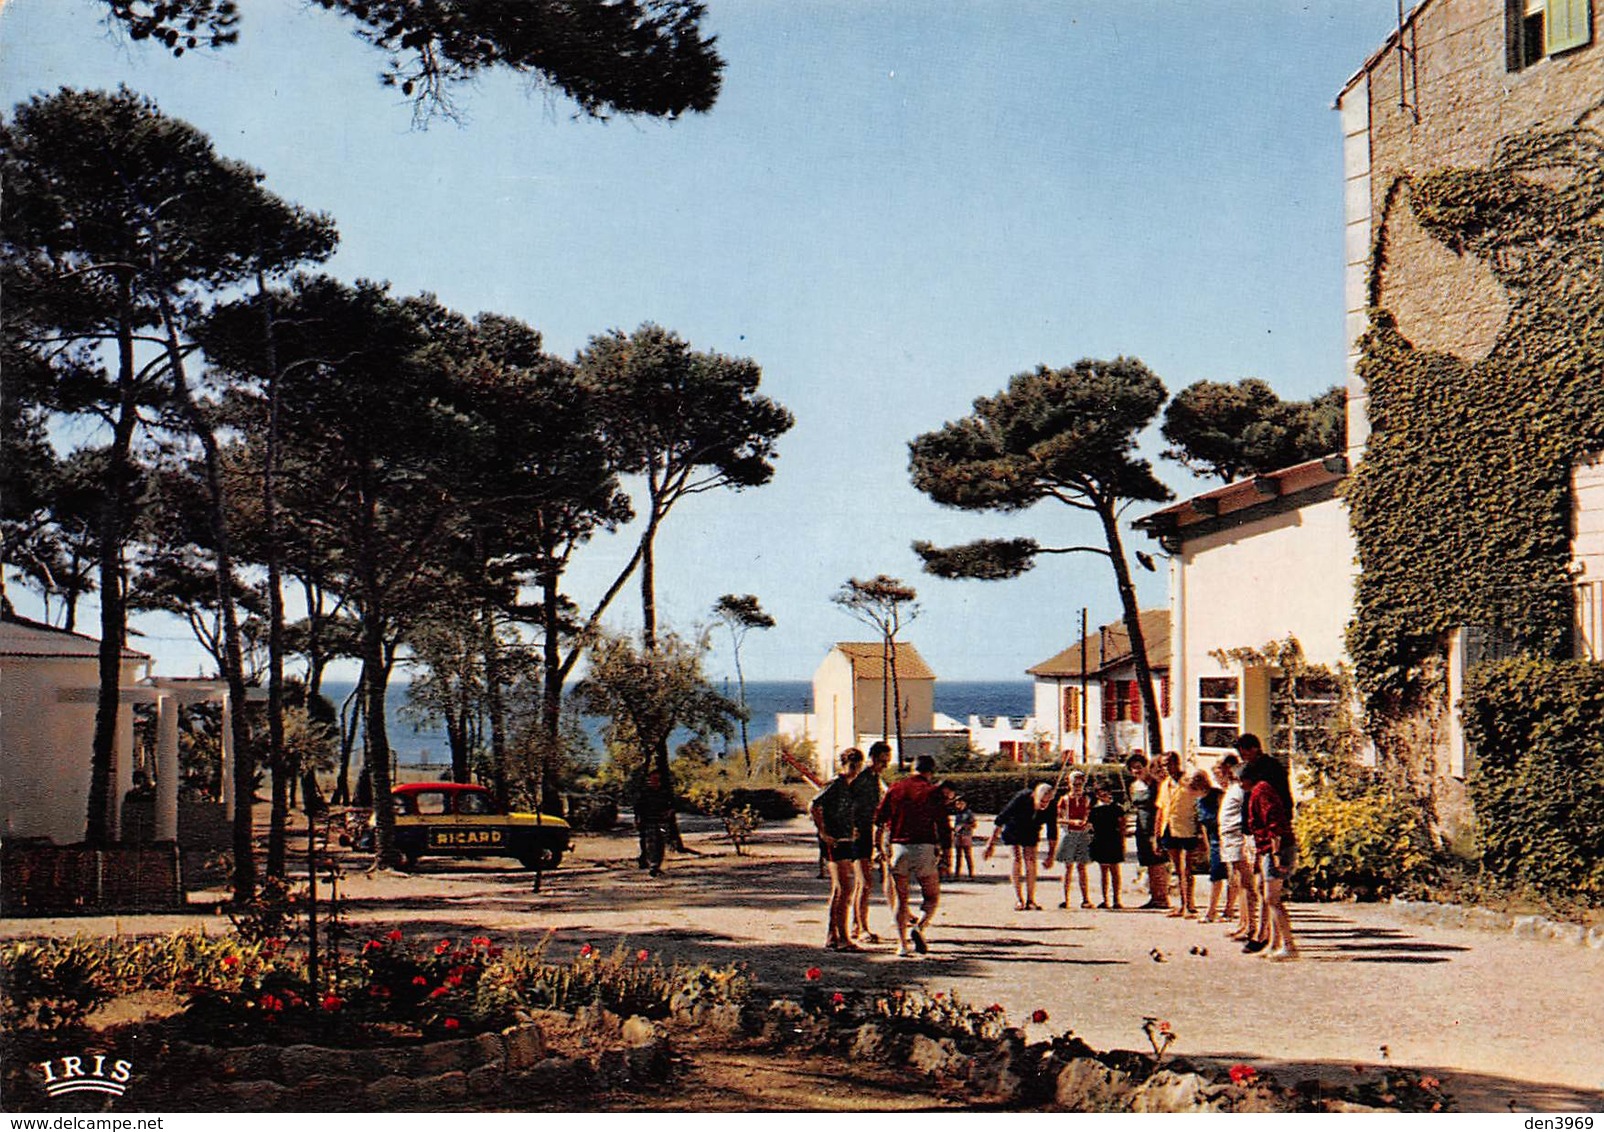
(1087, 699)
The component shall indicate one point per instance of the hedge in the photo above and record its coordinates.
(1538, 776)
(987, 792)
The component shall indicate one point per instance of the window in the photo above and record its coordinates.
(1539, 28)
(1300, 712)
(1071, 709)
(432, 802)
(1219, 711)
(474, 803)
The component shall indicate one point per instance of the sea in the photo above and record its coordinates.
(426, 746)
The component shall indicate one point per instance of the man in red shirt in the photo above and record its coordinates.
(912, 816)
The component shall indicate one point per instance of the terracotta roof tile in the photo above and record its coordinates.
(1110, 646)
(868, 661)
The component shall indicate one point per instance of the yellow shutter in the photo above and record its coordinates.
(1566, 24)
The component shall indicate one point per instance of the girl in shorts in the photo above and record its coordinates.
(1075, 836)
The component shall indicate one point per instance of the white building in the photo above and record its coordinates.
(1253, 563)
(1087, 698)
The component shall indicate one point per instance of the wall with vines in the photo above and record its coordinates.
(1461, 508)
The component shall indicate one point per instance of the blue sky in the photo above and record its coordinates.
(893, 208)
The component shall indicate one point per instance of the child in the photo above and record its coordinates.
(963, 837)
(1108, 841)
(1074, 819)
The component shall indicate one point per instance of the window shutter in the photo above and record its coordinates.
(1566, 25)
(1133, 701)
(1110, 702)
(1164, 695)
(1072, 709)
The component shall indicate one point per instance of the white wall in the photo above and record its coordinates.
(46, 744)
(1285, 574)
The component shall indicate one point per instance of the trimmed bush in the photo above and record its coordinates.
(1538, 773)
(1368, 845)
(987, 792)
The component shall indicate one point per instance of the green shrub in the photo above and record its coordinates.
(1368, 846)
(51, 985)
(988, 792)
(1537, 777)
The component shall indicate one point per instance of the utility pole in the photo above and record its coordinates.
(1085, 730)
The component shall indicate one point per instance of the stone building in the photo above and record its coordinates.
(1464, 85)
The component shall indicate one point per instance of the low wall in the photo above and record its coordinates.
(44, 879)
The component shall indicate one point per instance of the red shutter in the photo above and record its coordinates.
(1133, 701)
(1110, 702)
(1164, 695)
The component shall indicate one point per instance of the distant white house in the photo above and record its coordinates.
(853, 702)
(1255, 562)
(1087, 698)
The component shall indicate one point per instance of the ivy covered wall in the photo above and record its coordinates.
(1460, 507)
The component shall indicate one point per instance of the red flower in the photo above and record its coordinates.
(1429, 1083)
(813, 973)
(994, 1008)
(940, 996)
(454, 981)
(372, 945)
(297, 1000)
(442, 947)
(587, 951)
(230, 961)
(838, 998)
(419, 981)
(393, 935)
(271, 1003)
(452, 1024)
(1038, 1016)
(642, 955)
(1241, 1073)
(1164, 1028)
(332, 1002)
(493, 953)
(480, 941)
(438, 991)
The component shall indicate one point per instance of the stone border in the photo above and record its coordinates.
(1485, 919)
(492, 1067)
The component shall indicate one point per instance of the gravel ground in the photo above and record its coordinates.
(1504, 1022)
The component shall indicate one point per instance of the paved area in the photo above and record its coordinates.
(1507, 1024)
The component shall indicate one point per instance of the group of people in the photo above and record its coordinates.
(904, 827)
(1238, 819)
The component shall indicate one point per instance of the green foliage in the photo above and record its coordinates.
(987, 792)
(647, 694)
(52, 985)
(1369, 845)
(1461, 507)
(635, 57)
(1231, 431)
(393, 987)
(1538, 776)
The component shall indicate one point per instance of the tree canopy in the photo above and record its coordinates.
(625, 57)
(1232, 431)
(1067, 435)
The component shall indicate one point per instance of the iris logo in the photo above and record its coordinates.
(87, 1074)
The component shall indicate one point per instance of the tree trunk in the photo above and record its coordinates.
(740, 682)
(1133, 626)
(896, 702)
(885, 688)
(374, 683)
(552, 669)
(275, 598)
(494, 701)
(233, 665)
(113, 610)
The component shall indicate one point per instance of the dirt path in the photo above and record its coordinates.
(1506, 1023)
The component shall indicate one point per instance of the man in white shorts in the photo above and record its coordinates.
(912, 816)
